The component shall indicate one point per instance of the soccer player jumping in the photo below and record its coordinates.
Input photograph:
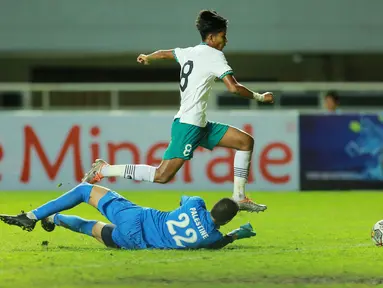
(200, 66)
(191, 226)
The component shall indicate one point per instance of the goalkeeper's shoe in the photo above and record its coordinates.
(250, 206)
(20, 220)
(94, 174)
(48, 224)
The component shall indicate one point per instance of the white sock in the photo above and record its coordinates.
(241, 172)
(130, 171)
(51, 218)
(31, 215)
(113, 170)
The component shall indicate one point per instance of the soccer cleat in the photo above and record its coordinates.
(248, 205)
(20, 220)
(48, 224)
(94, 174)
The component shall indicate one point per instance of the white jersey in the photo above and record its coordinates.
(200, 65)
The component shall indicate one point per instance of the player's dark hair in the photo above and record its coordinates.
(224, 210)
(333, 95)
(210, 22)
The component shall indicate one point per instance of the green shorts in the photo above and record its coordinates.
(185, 138)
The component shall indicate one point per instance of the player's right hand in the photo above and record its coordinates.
(143, 59)
(269, 97)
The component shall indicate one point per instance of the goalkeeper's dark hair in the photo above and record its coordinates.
(210, 22)
(224, 210)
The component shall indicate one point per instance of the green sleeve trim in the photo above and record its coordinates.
(230, 72)
(175, 56)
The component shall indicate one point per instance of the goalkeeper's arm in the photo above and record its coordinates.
(226, 240)
(245, 231)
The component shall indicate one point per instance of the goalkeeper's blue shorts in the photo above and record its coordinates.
(127, 217)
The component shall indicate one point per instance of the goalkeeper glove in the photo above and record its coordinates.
(245, 231)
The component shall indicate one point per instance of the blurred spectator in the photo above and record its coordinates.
(331, 101)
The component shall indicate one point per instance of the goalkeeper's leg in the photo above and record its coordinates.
(96, 229)
(82, 193)
(47, 213)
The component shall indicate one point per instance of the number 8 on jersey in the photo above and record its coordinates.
(185, 73)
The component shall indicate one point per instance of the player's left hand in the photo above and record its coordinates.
(143, 59)
(245, 231)
(269, 97)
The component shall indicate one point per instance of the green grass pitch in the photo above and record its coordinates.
(315, 239)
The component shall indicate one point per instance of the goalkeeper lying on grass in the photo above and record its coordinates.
(191, 226)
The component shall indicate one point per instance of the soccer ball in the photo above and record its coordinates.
(377, 233)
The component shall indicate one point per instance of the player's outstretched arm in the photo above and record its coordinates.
(158, 55)
(226, 240)
(234, 87)
(245, 231)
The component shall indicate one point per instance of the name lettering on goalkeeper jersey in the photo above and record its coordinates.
(197, 222)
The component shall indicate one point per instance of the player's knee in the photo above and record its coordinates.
(247, 143)
(84, 189)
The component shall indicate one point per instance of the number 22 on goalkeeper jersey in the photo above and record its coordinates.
(191, 226)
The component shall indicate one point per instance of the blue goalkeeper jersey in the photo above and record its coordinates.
(188, 227)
